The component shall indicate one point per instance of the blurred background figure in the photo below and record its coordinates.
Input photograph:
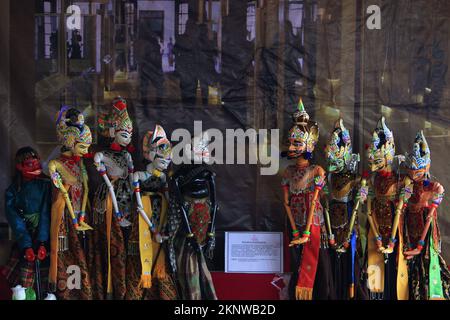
(149, 59)
(185, 68)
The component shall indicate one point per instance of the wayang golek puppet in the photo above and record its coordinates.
(347, 190)
(191, 224)
(302, 184)
(113, 203)
(27, 204)
(69, 219)
(428, 271)
(148, 273)
(389, 192)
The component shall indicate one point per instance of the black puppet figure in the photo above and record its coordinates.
(191, 218)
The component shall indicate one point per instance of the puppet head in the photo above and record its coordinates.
(157, 148)
(28, 163)
(198, 149)
(339, 150)
(116, 123)
(72, 132)
(418, 162)
(381, 151)
(303, 136)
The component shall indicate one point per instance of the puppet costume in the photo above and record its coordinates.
(68, 239)
(346, 192)
(302, 184)
(191, 222)
(112, 205)
(389, 191)
(148, 275)
(27, 207)
(428, 272)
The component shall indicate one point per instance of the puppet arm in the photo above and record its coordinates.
(373, 224)
(432, 213)
(57, 181)
(83, 224)
(319, 182)
(16, 222)
(101, 168)
(403, 200)
(212, 231)
(331, 239)
(130, 167)
(140, 176)
(360, 198)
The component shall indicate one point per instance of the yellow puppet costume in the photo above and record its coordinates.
(68, 236)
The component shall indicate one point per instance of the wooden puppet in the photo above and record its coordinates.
(388, 193)
(428, 271)
(302, 184)
(69, 219)
(112, 204)
(193, 208)
(346, 192)
(148, 273)
(28, 202)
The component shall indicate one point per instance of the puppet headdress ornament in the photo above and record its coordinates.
(155, 144)
(117, 119)
(339, 145)
(71, 129)
(304, 130)
(382, 145)
(420, 157)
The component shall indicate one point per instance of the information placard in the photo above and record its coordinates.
(254, 252)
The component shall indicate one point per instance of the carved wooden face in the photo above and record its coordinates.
(123, 137)
(80, 149)
(297, 147)
(30, 167)
(419, 174)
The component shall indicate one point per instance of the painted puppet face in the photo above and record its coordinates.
(201, 152)
(377, 164)
(162, 156)
(81, 149)
(123, 137)
(419, 174)
(30, 167)
(336, 165)
(297, 147)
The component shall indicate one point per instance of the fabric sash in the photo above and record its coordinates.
(308, 265)
(402, 267)
(57, 213)
(434, 281)
(375, 266)
(145, 244)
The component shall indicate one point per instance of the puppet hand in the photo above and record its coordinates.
(332, 243)
(388, 250)
(83, 226)
(380, 247)
(299, 241)
(29, 255)
(362, 195)
(412, 253)
(42, 252)
(210, 247)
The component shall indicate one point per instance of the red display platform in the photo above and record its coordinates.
(229, 286)
(244, 286)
